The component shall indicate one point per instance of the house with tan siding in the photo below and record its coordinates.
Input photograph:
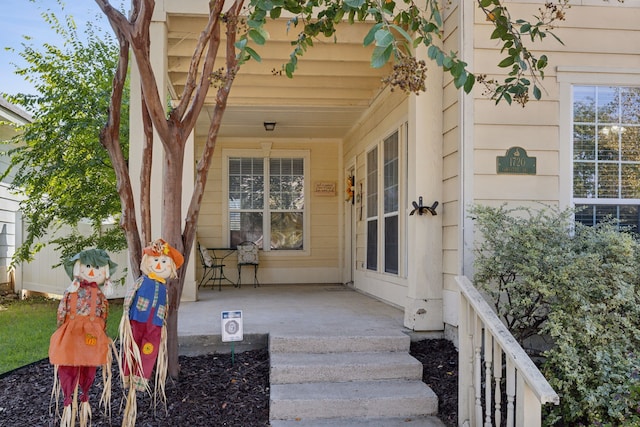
(336, 122)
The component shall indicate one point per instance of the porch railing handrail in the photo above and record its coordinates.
(483, 338)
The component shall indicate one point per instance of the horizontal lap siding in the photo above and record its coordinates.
(603, 35)
(323, 251)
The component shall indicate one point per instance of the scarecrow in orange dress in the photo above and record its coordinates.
(142, 329)
(80, 344)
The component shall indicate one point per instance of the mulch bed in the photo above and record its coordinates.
(211, 391)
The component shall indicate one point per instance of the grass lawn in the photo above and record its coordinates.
(26, 326)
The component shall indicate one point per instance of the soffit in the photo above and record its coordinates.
(332, 87)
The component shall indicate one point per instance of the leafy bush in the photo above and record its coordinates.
(577, 286)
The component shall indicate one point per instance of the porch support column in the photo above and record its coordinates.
(423, 309)
(158, 51)
(190, 289)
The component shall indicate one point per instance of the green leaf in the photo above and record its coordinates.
(537, 94)
(461, 80)
(380, 56)
(258, 35)
(384, 38)
(356, 4)
(253, 54)
(371, 35)
(240, 44)
(289, 68)
(275, 12)
(468, 85)
(506, 62)
(433, 51)
(403, 33)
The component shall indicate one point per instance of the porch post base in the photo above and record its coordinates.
(423, 315)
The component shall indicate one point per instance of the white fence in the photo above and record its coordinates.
(39, 275)
(498, 383)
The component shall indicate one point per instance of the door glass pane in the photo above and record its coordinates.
(391, 244)
(372, 245)
(372, 183)
(391, 162)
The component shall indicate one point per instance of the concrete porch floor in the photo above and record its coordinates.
(284, 310)
(315, 318)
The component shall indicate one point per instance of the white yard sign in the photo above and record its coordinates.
(231, 322)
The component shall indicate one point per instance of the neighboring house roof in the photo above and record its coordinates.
(10, 112)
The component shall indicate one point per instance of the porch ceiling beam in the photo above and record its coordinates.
(305, 68)
(281, 51)
(282, 96)
(297, 82)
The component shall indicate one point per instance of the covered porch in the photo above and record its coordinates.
(331, 116)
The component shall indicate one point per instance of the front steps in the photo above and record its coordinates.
(348, 381)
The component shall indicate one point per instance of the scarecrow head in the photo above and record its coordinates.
(91, 265)
(161, 259)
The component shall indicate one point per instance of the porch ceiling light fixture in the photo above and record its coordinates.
(269, 126)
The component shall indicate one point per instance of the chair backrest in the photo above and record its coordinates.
(248, 253)
(205, 257)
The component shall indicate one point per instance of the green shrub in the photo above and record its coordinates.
(578, 287)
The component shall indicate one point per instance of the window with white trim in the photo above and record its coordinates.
(606, 154)
(383, 186)
(266, 202)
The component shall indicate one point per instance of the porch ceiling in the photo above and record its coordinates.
(332, 87)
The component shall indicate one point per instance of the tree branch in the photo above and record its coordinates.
(145, 174)
(110, 139)
(202, 168)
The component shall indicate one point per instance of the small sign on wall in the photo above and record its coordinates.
(516, 162)
(324, 188)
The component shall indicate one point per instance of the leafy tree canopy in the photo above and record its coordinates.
(57, 160)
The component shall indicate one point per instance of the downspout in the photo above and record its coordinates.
(466, 118)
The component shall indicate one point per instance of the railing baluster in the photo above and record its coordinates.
(497, 374)
(511, 392)
(484, 336)
(477, 367)
(472, 392)
(488, 362)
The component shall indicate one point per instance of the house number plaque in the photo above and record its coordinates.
(516, 162)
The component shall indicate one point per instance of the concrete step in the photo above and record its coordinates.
(288, 368)
(356, 399)
(425, 421)
(339, 343)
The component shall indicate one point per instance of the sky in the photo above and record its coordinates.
(23, 17)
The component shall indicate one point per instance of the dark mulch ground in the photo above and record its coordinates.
(211, 391)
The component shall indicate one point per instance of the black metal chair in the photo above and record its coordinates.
(212, 270)
(248, 255)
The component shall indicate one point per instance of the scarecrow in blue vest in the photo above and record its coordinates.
(143, 332)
